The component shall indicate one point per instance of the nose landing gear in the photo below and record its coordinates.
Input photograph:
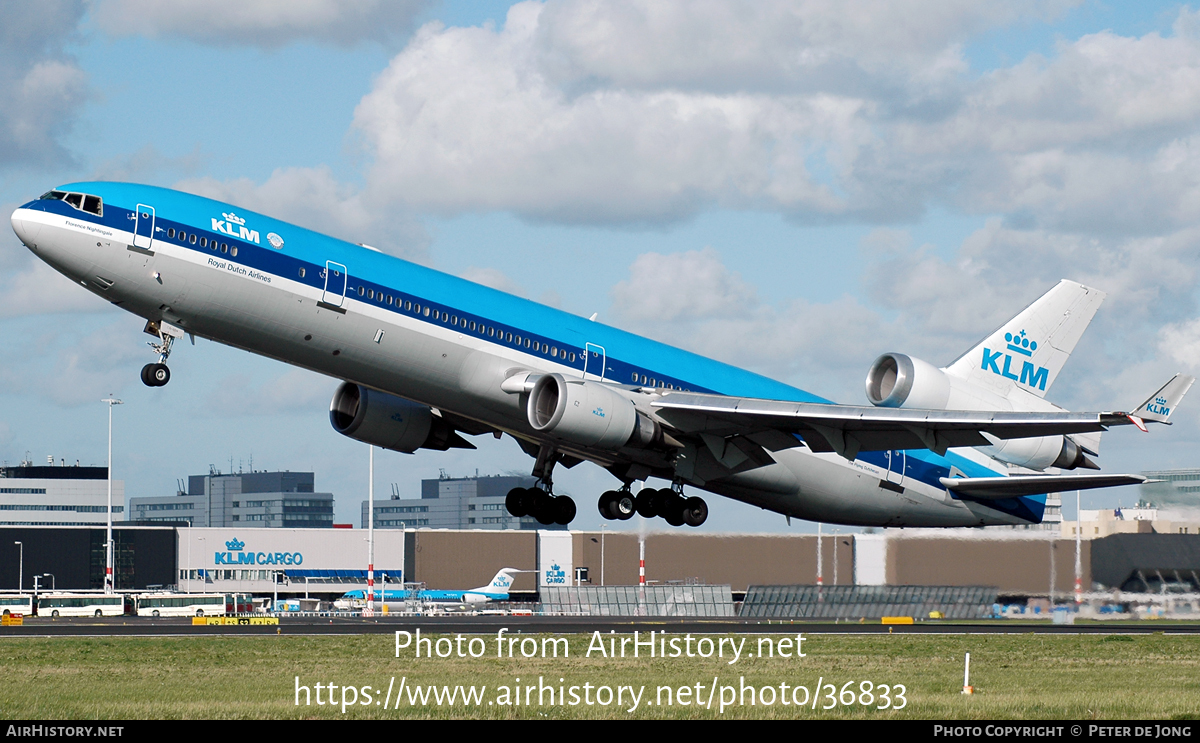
(156, 375)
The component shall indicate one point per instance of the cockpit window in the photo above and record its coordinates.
(83, 202)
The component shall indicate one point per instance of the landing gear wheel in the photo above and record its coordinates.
(695, 511)
(673, 510)
(604, 505)
(543, 507)
(623, 507)
(564, 510)
(515, 503)
(644, 503)
(155, 375)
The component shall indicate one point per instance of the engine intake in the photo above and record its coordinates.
(898, 380)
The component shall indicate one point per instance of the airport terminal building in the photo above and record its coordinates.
(280, 500)
(456, 503)
(58, 496)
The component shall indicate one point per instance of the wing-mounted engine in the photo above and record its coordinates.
(590, 414)
(391, 422)
(897, 380)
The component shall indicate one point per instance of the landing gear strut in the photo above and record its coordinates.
(156, 375)
(540, 501)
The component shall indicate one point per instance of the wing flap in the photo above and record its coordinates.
(996, 488)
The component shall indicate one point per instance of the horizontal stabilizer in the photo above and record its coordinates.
(1158, 406)
(996, 488)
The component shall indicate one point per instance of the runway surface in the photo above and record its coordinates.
(490, 624)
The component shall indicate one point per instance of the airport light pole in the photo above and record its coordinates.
(371, 531)
(108, 543)
(1078, 546)
(602, 533)
(21, 568)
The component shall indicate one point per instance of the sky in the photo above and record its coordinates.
(794, 188)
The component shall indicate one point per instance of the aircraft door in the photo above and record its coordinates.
(594, 361)
(895, 462)
(143, 227)
(335, 284)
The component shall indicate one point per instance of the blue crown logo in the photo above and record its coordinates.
(1160, 401)
(1020, 344)
(234, 545)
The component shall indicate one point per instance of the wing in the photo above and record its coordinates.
(850, 429)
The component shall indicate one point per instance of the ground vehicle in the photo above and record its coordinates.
(16, 603)
(181, 604)
(81, 605)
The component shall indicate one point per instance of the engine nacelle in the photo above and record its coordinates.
(388, 421)
(589, 414)
(898, 380)
(1039, 453)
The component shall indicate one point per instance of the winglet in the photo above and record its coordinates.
(1158, 406)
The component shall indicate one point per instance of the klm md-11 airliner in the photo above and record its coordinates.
(427, 358)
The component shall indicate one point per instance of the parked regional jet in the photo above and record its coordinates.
(427, 357)
(497, 590)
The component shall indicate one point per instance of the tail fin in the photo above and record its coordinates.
(1029, 351)
(500, 584)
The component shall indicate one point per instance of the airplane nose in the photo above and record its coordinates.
(26, 229)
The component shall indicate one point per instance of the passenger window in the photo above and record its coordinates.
(572, 357)
(301, 273)
(370, 293)
(437, 315)
(93, 204)
(635, 376)
(224, 246)
(408, 305)
(389, 299)
(426, 312)
(171, 232)
(527, 343)
(192, 238)
(204, 242)
(554, 352)
(182, 236)
(362, 290)
(233, 251)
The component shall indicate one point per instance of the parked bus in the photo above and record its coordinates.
(16, 603)
(187, 604)
(81, 604)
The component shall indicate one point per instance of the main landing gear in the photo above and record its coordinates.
(675, 509)
(156, 375)
(540, 501)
